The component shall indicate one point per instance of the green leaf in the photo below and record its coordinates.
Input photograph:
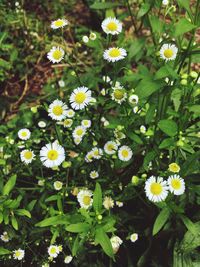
(23, 212)
(134, 137)
(148, 157)
(157, 24)
(191, 241)
(4, 251)
(191, 164)
(14, 222)
(161, 220)
(145, 88)
(166, 143)
(183, 26)
(9, 185)
(55, 220)
(78, 227)
(105, 5)
(189, 224)
(143, 10)
(97, 198)
(169, 127)
(136, 47)
(102, 238)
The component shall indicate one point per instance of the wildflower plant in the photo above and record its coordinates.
(110, 158)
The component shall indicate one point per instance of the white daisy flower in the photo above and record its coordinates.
(85, 39)
(143, 129)
(94, 174)
(86, 123)
(59, 23)
(165, 2)
(111, 26)
(79, 132)
(61, 83)
(110, 147)
(93, 36)
(119, 204)
(116, 242)
(77, 140)
(97, 152)
(156, 189)
(168, 52)
(89, 156)
(125, 153)
(24, 134)
(176, 184)
(53, 251)
(119, 94)
(18, 254)
(27, 156)
(80, 98)
(57, 185)
(68, 259)
(52, 155)
(42, 124)
(133, 99)
(114, 54)
(108, 203)
(70, 113)
(67, 123)
(56, 54)
(57, 110)
(134, 237)
(4, 237)
(84, 198)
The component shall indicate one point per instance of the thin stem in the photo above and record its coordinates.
(132, 18)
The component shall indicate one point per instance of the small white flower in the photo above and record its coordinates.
(119, 94)
(52, 155)
(56, 54)
(143, 129)
(68, 259)
(136, 110)
(4, 237)
(176, 184)
(165, 2)
(27, 156)
(59, 23)
(116, 242)
(133, 99)
(97, 152)
(168, 52)
(84, 198)
(67, 123)
(57, 185)
(42, 124)
(94, 174)
(93, 36)
(53, 251)
(125, 153)
(18, 254)
(85, 39)
(119, 204)
(70, 113)
(77, 140)
(108, 203)
(86, 123)
(79, 132)
(24, 134)
(114, 54)
(134, 237)
(41, 182)
(57, 110)
(110, 147)
(111, 26)
(89, 156)
(106, 79)
(80, 98)
(156, 189)
(61, 83)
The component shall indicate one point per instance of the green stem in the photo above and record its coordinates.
(132, 18)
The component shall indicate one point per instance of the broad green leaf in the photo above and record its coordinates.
(191, 241)
(191, 164)
(165, 71)
(97, 198)
(102, 238)
(143, 10)
(51, 198)
(1, 217)
(148, 157)
(109, 226)
(157, 24)
(134, 137)
(4, 251)
(183, 26)
(14, 222)
(150, 113)
(55, 220)
(160, 221)
(167, 143)
(76, 246)
(23, 212)
(195, 109)
(169, 127)
(105, 5)
(78, 227)
(189, 224)
(136, 47)
(185, 4)
(147, 87)
(9, 185)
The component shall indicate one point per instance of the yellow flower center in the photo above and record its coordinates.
(125, 153)
(112, 26)
(118, 94)
(52, 154)
(24, 134)
(53, 250)
(80, 97)
(79, 132)
(96, 152)
(57, 54)
(115, 52)
(168, 53)
(176, 184)
(28, 155)
(58, 110)
(156, 189)
(86, 200)
(173, 167)
(58, 23)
